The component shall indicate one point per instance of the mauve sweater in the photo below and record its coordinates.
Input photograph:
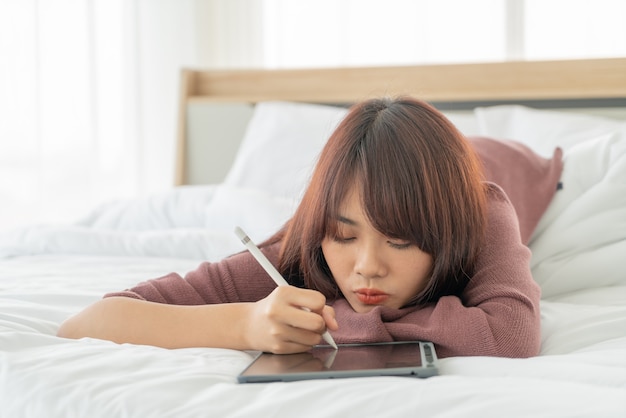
(497, 314)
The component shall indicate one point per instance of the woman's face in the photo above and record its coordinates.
(370, 268)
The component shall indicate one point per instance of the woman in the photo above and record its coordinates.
(397, 237)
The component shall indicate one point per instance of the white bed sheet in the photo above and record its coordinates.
(48, 273)
(581, 372)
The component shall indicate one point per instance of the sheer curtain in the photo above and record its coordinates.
(374, 32)
(88, 88)
(396, 32)
(88, 92)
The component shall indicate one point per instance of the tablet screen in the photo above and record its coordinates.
(412, 358)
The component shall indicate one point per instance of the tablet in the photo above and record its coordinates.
(401, 358)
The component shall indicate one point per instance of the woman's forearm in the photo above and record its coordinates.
(127, 320)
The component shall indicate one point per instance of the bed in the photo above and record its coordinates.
(236, 130)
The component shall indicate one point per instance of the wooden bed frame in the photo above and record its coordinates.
(583, 81)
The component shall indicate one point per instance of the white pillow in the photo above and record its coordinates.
(543, 130)
(465, 121)
(256, 211)
(281, 145)
(580, 242)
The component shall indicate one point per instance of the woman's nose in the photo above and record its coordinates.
(370, 262)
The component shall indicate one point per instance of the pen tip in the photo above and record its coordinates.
(329, 339)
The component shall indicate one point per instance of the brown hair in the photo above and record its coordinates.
(420, 181)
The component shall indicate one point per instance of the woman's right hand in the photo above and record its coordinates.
(289, 320)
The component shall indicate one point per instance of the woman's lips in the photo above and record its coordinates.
(371, 296)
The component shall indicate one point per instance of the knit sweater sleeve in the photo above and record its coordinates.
(496, 315)
(238, 278)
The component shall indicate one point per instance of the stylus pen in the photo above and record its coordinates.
(274, 274)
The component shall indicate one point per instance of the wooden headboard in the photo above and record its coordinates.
(587, 81)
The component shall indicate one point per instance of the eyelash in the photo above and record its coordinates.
(402, 246)
(346, 240)
(342, 240)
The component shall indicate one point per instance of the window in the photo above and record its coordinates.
(375, 32)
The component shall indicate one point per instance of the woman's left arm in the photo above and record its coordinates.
(496, 315)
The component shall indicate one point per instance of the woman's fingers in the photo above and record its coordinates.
(292, 320)
(328, 313)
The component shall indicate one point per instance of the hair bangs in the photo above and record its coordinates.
(393, 183)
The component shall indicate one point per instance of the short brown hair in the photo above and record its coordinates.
(420, 181)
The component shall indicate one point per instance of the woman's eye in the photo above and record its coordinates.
(343, 239)
(400, 245)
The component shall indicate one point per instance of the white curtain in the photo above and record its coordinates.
(88, 92)
(88, 88)
(317, 33)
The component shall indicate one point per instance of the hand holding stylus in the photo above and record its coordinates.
(274, 274)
